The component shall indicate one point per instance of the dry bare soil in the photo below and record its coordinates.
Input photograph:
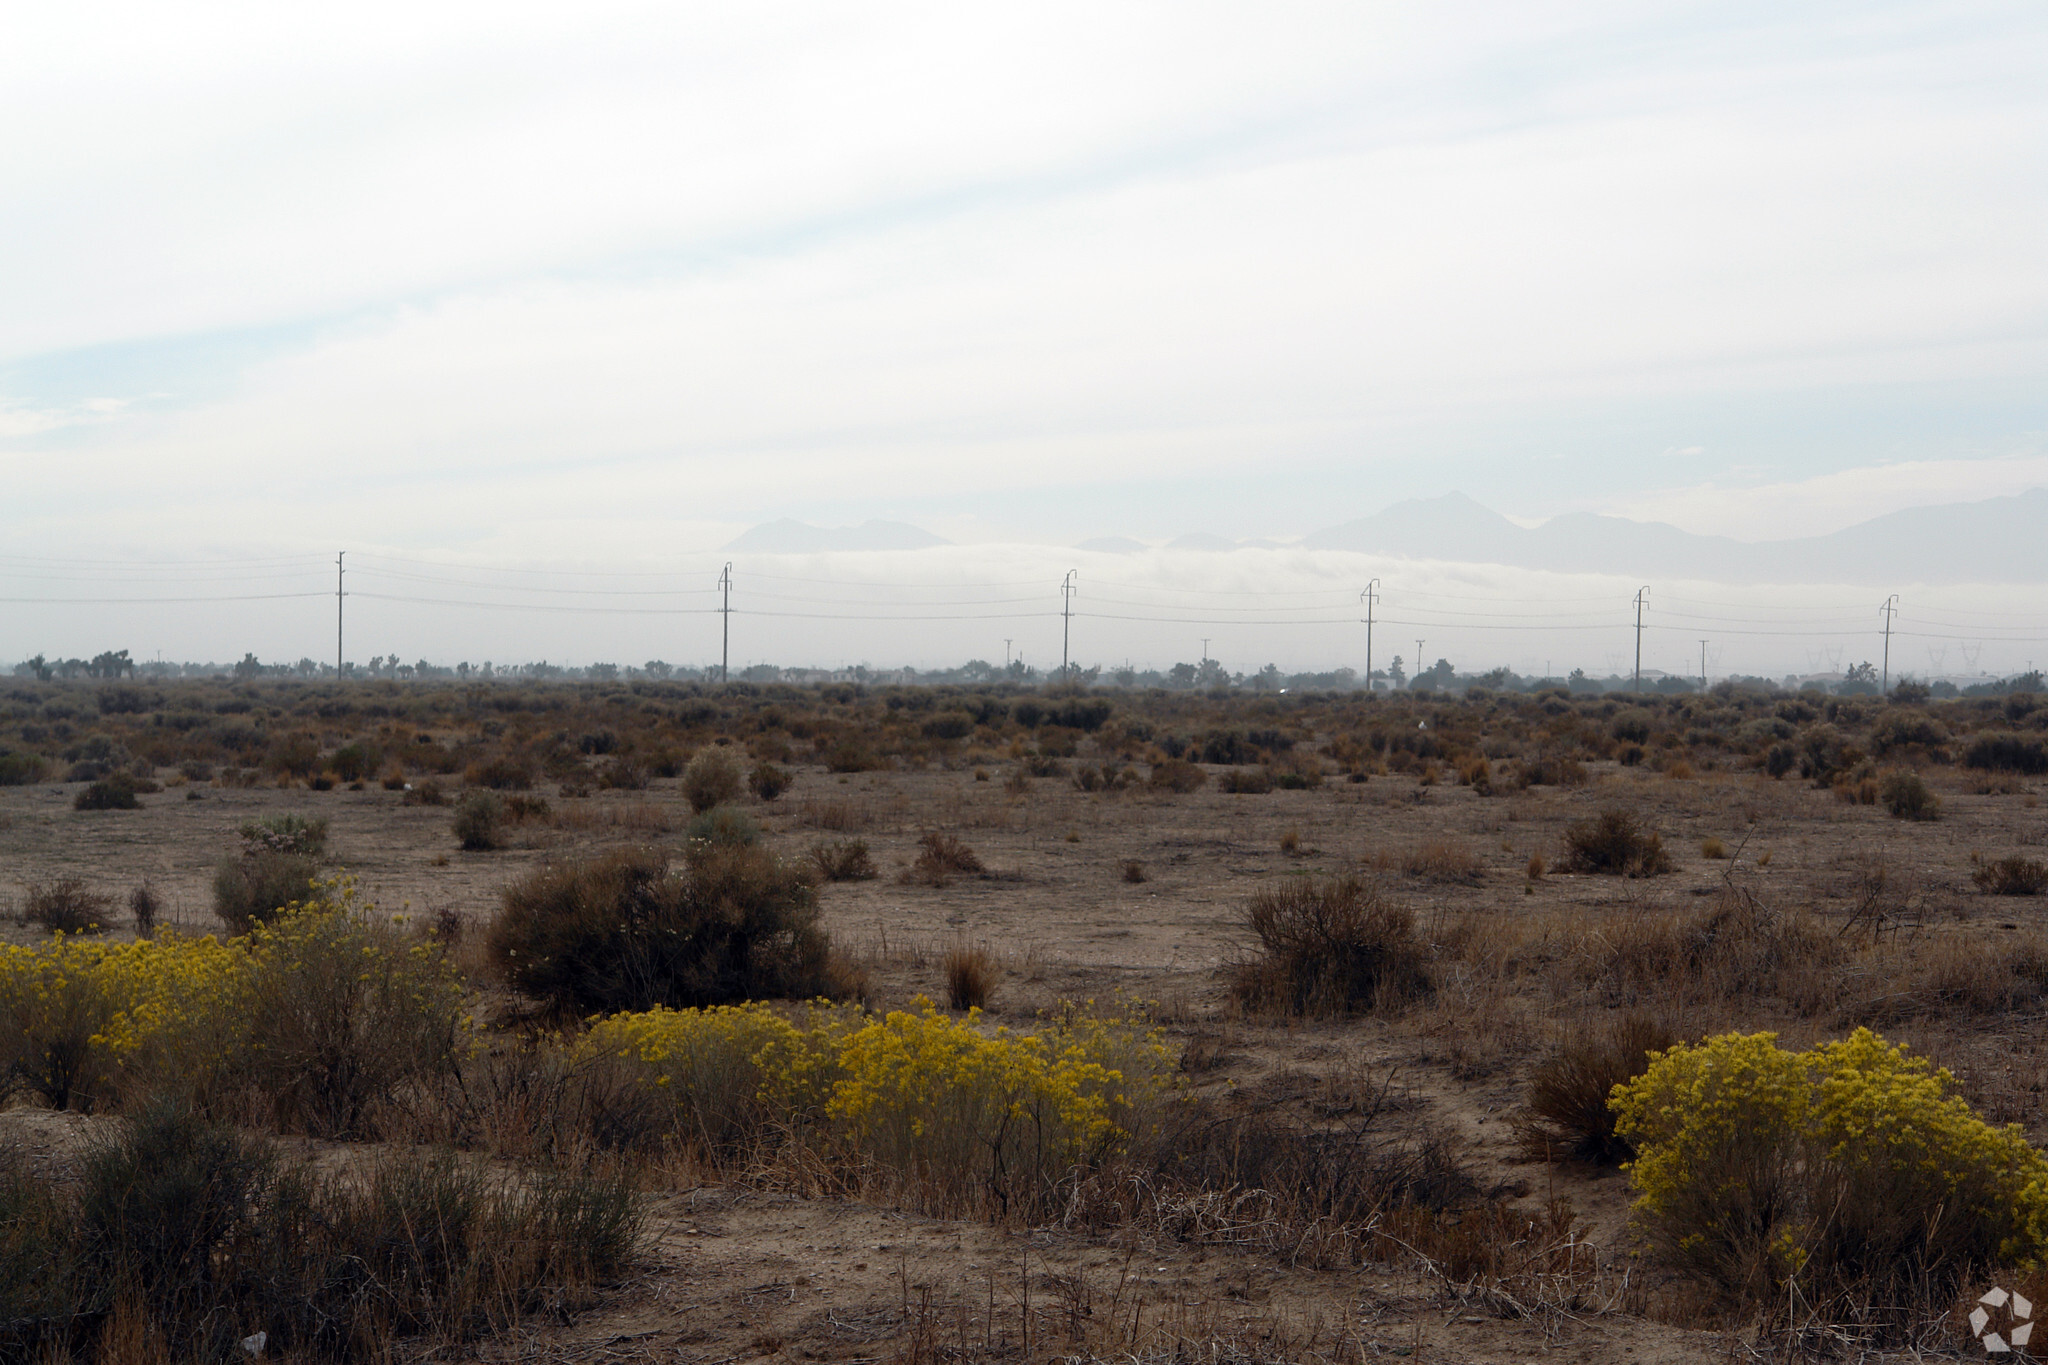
(746, 1270)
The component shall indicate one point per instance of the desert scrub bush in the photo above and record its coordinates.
(2010, 876)
(1848, 1174)
(116, 791)
(66, 906)
(942, 857)
(346, 1010)
(1740, 947)
(480, 820)
(22, 769)
(38, 1260)
(177, 1237)
(843, 860)
(1569, 1116)
(769, 781)
(1177, 775)
(1330, 947)
(1245, 781)
(713, 778)
(2007, 753)
(261, 884)
(726, 825)
(1440, 860)
(1903, 794)
(1614, 842)
(627, 930)
(287, 833)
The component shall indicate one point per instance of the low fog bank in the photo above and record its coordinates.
(1296, 609)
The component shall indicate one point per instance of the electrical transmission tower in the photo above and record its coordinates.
(725, 618)
(1369, 597)
(1067, 590)
(1890, 609)
(1642, 600)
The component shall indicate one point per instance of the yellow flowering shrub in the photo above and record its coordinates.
(955, 1111)
(80, 1018)
(346, 1010)
(1849, 1165)
(320, 1013)
(730, 1072)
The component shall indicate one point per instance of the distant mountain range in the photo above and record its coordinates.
(1999, 540)
(788, 537)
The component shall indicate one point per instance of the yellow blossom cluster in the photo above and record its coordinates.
(1755, 1160)
(83, 1021)
(951, 1107)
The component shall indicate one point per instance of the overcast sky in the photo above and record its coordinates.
(607, 281)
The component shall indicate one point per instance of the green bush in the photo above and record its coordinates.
(1906, 796)
(713, 778)
(1847, 1172)
(1330, 947)
(768, 781)
(116, 791)
(2007, 753)
(252, 888)
(627, 931)
(725, 825)
(356, 761)
(21, 770)
(480, 821)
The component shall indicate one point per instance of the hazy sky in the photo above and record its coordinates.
(610, 281)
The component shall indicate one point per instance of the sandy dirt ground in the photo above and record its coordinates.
(747, 1273)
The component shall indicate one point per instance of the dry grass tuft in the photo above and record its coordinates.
(971, 975)
(838, 816)
(1568, 1114)
(2012, 876)
(941, 857)
(843, 860)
